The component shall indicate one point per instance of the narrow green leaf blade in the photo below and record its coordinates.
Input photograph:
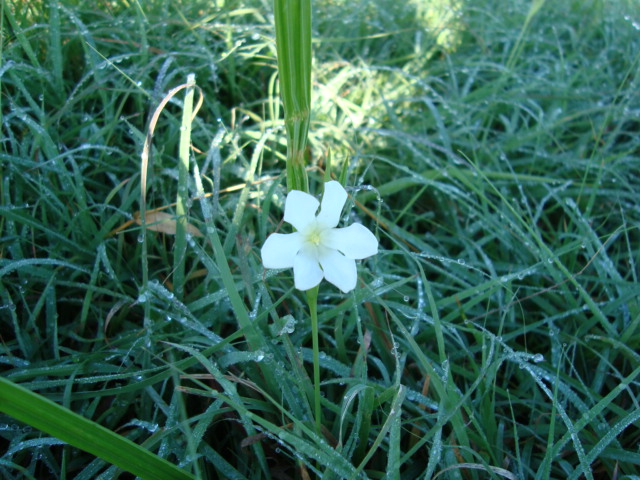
(45, 415)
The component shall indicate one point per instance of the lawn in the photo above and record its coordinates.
(491, 146)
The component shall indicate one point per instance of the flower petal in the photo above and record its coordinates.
(338, 269)
(300, 208)
(280, 249)
(306, 270)
(355, 241)
(333, 201)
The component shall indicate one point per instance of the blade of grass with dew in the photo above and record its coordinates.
(145, 160)
(56, 46)
(347, 399)
(536, 5)
(1, 64)
(244, 194)
(184, 155)
(391, 423)
(366, 410)
(395, 429)
(20, 35)
(45, 415)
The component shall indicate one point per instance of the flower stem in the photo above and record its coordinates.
(312, 300)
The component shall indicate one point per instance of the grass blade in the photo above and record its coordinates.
(45, 415)
(184, 154)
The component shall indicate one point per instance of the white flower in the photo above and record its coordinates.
(318, 249)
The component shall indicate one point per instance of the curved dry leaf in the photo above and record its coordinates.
(165, 223)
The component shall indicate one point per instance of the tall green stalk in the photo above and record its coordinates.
(293, 44)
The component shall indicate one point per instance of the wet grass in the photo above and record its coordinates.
(495, 155)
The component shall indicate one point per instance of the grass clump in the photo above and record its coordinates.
(496, 156)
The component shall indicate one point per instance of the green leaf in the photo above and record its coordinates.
(43, 414)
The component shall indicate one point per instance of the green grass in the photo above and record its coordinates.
(495, 154)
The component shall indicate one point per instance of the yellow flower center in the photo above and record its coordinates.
(314, 237)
